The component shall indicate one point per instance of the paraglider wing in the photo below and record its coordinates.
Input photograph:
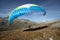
(38, 8)
(24, 9)
(17, 13)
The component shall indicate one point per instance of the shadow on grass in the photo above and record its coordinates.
(34, 29)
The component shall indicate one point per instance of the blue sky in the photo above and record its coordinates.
(52, 8)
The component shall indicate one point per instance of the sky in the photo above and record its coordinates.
(52, 8)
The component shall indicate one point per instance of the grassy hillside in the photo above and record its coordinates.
(41, 31)
(44, 34)
(17, 24)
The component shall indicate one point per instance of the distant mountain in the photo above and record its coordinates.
(23, 23)
(17, 24)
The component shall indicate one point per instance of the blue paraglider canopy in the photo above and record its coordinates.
(24, 10)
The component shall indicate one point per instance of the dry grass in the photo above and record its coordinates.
(43, 34)
(48, 33)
